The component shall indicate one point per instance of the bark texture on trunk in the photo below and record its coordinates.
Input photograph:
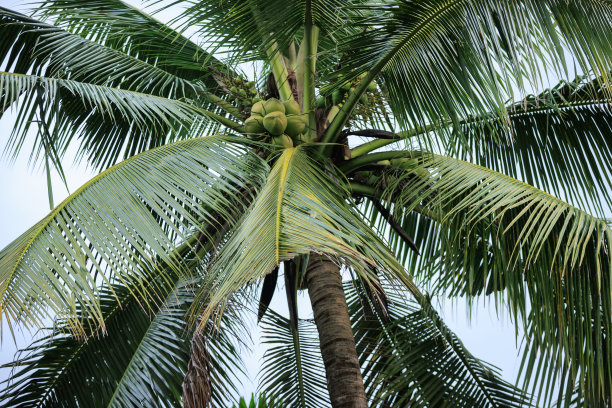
(197, 385)
(344, 381)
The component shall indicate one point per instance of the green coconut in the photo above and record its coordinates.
(257, 108)
(320, 103)
(254, 124)
(283, 141)
(363, 99)
(295, 125)
(291, 107)
(242, 93)
(372, 86)
(275, 123)
(273, 105)
(337, 96)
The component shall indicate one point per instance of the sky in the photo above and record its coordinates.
(24, 202)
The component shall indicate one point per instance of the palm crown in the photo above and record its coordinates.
(210, 182)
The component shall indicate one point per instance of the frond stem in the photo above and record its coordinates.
(311, 34)
(395, 225)
(376, 144)
(353, 164)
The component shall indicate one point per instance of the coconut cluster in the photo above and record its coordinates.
(339, 94)
(242, 93)
(280, 122)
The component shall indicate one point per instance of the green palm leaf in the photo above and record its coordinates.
(141, 361)
(43, 49)
(234, 25)
(411, 359)
(122, 27)
(111, 122)
(119, 224)
(551, 260)
(301, 209)
(46, 51)
(293, 370)
(556, 138)
(448, 59)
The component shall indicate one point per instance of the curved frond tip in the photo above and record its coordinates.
(122, 225)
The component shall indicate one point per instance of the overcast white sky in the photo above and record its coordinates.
(24, 202)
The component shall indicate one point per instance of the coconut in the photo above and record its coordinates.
(320, 103)
(337, 96)
(372, 86)
(273, 105)
(257, 108)
(363, 99)
(295, 125)
(283, 141)
(254, 124)
(242, 93)
(275, 123)
(291, 107)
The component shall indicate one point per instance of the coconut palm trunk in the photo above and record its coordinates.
(344, 381)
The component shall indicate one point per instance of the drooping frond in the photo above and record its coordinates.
(548, 261)
(445, 60)
(411, 359)
(120, 224)
(38, 49)
(111, 122)
(122, 27)
(301, 209)
(557, 140)
(293, 370)
(140, 362)
(34, 47)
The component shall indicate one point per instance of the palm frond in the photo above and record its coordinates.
(111, 122)
(243, 28)
(301, 209)
(441, 60)
(548, 261)
(39, 49)
(120, 224)
(122, 27)
(414, 360)
(141, 361)
(556, 140)
(33, 47)
(293, 369)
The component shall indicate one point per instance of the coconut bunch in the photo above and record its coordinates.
(281, 123)
(242, 93)
(339, 94)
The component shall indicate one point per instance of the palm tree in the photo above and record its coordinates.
(396, 140)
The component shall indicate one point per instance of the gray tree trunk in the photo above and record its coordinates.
(343, 372)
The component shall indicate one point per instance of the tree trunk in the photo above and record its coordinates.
(197, 385)
(344, 381)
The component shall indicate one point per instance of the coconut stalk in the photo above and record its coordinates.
(311, 39)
